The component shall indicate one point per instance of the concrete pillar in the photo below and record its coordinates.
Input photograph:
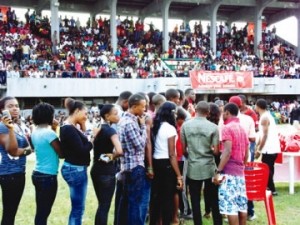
(165, 16)
(258, 28)
(54, 7)
(113, 25)
(298, 40)
(92, 19)
(213, 28)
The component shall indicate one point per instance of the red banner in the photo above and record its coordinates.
(4, 9)
(221, 80)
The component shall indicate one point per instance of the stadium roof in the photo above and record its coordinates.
(231, 10)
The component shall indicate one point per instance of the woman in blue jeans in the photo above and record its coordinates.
(103, 172)
(76, 149)
(13, 151)
(47, 151)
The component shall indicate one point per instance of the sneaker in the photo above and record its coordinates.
(188, 216)
(206, 215)
(251, 218)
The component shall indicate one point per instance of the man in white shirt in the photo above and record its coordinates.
(268, 144)
(15, 73)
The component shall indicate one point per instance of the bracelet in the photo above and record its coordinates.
(27, 151)
(150, 168)
(180, 178)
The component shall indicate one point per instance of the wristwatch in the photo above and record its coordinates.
(217, 171)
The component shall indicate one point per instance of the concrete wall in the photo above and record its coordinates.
(81, 87)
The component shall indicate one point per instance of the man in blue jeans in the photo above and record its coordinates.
(132, 133)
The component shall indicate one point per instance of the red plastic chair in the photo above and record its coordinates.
(256, 176)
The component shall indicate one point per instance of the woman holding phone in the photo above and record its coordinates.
(14, 148)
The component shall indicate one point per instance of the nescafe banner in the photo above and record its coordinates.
(221, 80)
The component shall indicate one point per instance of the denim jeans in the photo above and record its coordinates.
(250, 203)
(77, 180)
(12, 187)
(104, 186)
(119, 191)
(137, 192)
(252, 150)
(45, 193)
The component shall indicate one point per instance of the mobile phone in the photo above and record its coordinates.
(104, 158)
(6, 113)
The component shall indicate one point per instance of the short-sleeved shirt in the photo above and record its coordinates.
(8, 163)
(47, 160)
(102, 145)
(165, 132)
(235, 133)
(200, 135)
(248, 124)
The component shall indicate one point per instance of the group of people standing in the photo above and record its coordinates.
(148, 149)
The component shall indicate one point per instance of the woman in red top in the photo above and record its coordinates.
(178, 202)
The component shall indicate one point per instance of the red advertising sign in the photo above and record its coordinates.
(221, 80)
(4, 9)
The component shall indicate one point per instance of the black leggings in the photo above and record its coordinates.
(269, 159)
(162, 193)
(12, 187)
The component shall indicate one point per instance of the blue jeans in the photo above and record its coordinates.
(76, 178)
(104, 186)
(137, 192)
(252, 150)
(45, 193)
(12, 186)
(250, 203)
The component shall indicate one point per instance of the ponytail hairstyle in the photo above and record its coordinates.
(105, 109)
(73, 104)
(166, 113)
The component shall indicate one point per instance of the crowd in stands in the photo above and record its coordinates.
(26, 50)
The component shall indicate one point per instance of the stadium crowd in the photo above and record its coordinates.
(26, 50)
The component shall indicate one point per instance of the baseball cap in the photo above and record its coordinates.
(236, 100)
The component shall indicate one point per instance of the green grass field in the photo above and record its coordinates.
(287, 206)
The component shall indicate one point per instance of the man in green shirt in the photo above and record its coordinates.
(200, 141)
